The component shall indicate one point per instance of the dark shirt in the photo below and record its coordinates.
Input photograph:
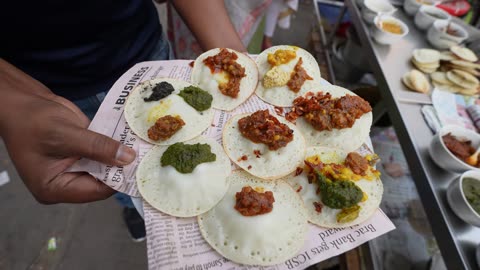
(77, 48)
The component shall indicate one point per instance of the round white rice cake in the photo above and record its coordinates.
(266, 239)
(462, 78)
(464, 53)
(468, 92)
(446, 87)
(428, 66)
(426, 56)
(465, 64)
(179, 194)
(447, 56)
(328, 216)
(440, 77)
(348, 139)
(472, 71)
(141, 115)
(271, 164)
(203, 77)
(416, 81)
(282, 96)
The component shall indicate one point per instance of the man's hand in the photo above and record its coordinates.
(45, 134)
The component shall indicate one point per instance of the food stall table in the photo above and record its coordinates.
(456, 239)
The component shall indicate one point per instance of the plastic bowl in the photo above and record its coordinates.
(443, 157)
(457, 201)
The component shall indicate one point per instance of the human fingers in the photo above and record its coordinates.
(76, 187)
(84, 143)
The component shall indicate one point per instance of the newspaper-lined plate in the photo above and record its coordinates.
(176, 243)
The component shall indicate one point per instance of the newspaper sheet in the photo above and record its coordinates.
(176, 243)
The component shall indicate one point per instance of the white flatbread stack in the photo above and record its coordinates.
(208, 81)
(456, 81)
(327, 217)
(426, 60)
(458, 72)
(265, 239)
(282, 96)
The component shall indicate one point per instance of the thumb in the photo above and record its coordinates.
(88, 144)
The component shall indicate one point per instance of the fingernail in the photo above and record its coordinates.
(125, 155)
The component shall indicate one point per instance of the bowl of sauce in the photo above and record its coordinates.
(451, 146)
(443, 34)
(463, 196)
(388, 29)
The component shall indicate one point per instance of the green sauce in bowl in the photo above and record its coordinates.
(471, 189)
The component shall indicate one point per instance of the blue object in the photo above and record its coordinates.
(330, 13)
(77, 49)
(124, 200)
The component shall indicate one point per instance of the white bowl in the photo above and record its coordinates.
(384, 37)
(443, 157)
(457, 201)
(440, 39)
(372, 8)
(426, 15)
(412, 6)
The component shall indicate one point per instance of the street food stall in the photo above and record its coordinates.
(391, 62)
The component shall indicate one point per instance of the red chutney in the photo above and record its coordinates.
(225, 61)
(326, 113)
(261, 127)
(298, 77)
(357, 163)
(462, 149)
(165, 127)
(252, 203)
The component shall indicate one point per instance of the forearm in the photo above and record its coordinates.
(12, 77)
(209, 22)
(10, 95)
(16, 90)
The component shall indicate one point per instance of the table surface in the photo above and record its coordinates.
(456, 239)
